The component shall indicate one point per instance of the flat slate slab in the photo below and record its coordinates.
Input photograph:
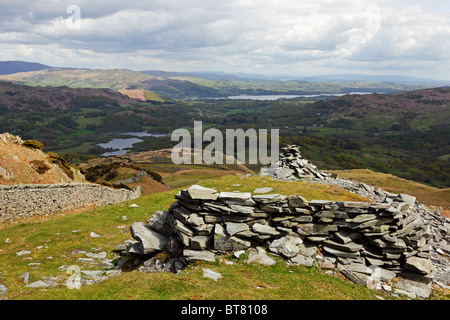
(263, 229)
(236, 198)
(197, 255)
(197, 192)
(262, 190)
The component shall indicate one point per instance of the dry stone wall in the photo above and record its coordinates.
(23, 201)
(369, 242)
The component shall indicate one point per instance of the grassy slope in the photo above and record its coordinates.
(427, 195)
(61, 234)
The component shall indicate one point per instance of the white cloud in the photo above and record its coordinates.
(236, 35)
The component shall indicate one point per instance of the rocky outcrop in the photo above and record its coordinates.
(371, 243)
(23, 162)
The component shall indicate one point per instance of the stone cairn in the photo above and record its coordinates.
(370, 243)
(292, 166)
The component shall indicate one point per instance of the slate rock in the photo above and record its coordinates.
(225, 243)
(25, 277)
(180, 213)
(284, 173)
(233, 227)
(182, 228)
(37, 284)
(3, 290)
(297, 201)
(262, 190)
(302, 219)
(208, 273)
(303, 260)
(158, 222)
(195, 220)
(101, 255)
(268, 198)
(150, 240)
(418, 289)
(236, 198)
(199, 242)
(340, 253)
(383, 274)
(242, 209)
(356, 277)
(196, 255)
(411, 200)
(307, 248)
(343, 237)
(358, 267)
(286, 246)
(350, 247)
(263, 229)
(218, 207)
(196, 192)
(259, 255)
(23, 252)
(421, 265)
(364, 217)
(331, 214)
(316, 229)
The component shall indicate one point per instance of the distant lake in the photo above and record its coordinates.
(123, 145)
(274, 97)
(144, 134)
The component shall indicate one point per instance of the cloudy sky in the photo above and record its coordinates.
(292, 37)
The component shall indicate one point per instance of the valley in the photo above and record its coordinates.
(244, 154)
(370, 138)
(404, 133)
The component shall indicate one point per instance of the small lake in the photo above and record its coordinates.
(121, 146)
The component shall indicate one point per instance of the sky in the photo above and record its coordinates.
(286, 37)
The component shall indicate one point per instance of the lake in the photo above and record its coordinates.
(290, 96)
(273, 97)
(121, 146)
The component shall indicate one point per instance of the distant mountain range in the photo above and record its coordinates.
(319, 78)
(205, 84)
(10, 67)
(375, 78)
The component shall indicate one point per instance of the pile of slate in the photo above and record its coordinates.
(370, 243)
(287, 168)
(292, 166)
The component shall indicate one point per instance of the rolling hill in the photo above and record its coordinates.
(17, 97)
(115, 79)
(195, 84)
(10, 67)
(419, 109)
(79, 118)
